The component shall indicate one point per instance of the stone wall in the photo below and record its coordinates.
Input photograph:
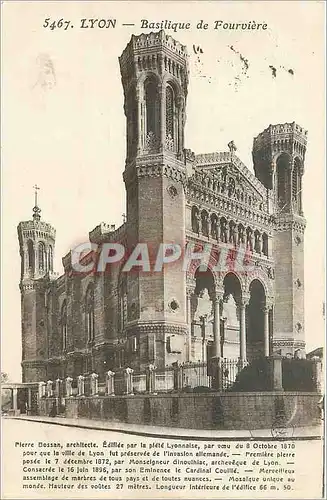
(198, 411)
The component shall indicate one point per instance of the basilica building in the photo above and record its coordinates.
(80, 323)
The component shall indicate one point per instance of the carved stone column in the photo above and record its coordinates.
(162, 117)
(216, 299)
(140, 122)
(266, 310)
(203, 337)
(190, 287)
(243, 303)
(180, 124)
(288, 172)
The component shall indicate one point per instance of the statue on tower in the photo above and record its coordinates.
(231, 146)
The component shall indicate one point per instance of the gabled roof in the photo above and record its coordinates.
(217, 161)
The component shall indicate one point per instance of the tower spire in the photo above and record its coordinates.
(36, 209)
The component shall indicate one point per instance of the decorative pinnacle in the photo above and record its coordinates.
(36, 209)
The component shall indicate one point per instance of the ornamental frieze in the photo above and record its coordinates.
(225, 209)
(289, 343)
(160, 328)
(227, 183)
(287, 225)
(155, 170)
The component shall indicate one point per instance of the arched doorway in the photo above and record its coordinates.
(230, 331)
(202, 316)
(255, 320)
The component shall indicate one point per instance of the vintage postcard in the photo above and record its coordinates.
(163, 242)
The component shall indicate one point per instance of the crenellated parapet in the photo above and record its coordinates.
(156, 52)
(282, 142)
(39, 229)
(282, 137)
(102, 232)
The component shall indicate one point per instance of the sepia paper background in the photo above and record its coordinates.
(64, 126)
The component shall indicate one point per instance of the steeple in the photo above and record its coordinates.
(36, 246)
(36, 208)
(36, 242)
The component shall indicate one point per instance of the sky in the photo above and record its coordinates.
(63, 124)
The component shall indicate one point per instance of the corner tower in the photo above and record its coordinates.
(154, 71)
(36, 245)
(278, 156)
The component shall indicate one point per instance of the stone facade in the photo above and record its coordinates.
(94, 322)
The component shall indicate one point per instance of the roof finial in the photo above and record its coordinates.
(36, 209)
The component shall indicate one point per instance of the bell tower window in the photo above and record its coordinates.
(283, 181)
(42, 257)
(152, 121)
(30, 255)
(151, 98)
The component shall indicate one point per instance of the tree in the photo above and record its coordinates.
(4, 377)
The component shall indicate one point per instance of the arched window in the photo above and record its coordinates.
(281, 183)
(151, 103)
(42, 257)
(50, 259)
(170, 113)
(31, 255)
(283, 180)
(89, 307)
(152, 116)
(63, 321)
